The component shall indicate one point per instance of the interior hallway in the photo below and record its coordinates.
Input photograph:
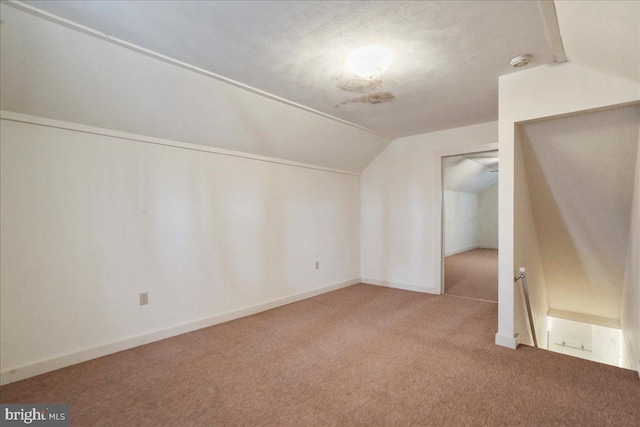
(472, 274)
(363, 355)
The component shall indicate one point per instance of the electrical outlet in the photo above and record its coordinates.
(317, 265)
(144, 298)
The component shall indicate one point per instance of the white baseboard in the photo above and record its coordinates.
(53, 364)
(459, 251)
(506, 341)
(396, 285)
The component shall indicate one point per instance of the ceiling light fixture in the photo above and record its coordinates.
(370, 62)
(520, 61)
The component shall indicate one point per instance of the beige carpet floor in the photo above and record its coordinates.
(472, 274)
(359, 356)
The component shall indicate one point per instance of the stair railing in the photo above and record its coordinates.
(532, 326)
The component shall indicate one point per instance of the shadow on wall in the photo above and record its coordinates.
(581, 192)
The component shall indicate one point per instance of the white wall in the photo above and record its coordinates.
(460, 222)
(630, 310)
(488, 218)
(580, 171)
(533, 94)
(602, 35)
(401, 196)
(49, 70)
(527, 253)
(573, 334)
(586, 341)
(90, 221)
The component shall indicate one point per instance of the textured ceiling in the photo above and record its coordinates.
(51, 71)
(448, 54)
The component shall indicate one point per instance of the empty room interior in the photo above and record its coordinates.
(470, 231)
(319, 213)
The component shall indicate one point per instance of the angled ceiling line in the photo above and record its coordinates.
(152, 54)
(552, 29)
(12, 116)
(492, 168)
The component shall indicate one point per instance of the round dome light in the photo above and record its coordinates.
(370, 61)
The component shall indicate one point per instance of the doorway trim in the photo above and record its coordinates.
(443, 154)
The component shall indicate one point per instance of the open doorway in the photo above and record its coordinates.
(470, 225)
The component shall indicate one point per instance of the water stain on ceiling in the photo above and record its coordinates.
(372, 98)
(448, 55)
(357, 85)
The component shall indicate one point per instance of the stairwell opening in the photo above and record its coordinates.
(576, 218)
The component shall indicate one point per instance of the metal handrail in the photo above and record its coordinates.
(528, 303)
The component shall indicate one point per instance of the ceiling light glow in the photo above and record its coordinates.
(370, 62)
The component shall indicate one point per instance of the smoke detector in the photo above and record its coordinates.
(520, 61)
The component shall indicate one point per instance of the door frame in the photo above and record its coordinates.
(443, 154)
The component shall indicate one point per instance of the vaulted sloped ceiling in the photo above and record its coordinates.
(448, 54)
(471, 173)
(448, 59)
(51, 71)
(603, 35)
